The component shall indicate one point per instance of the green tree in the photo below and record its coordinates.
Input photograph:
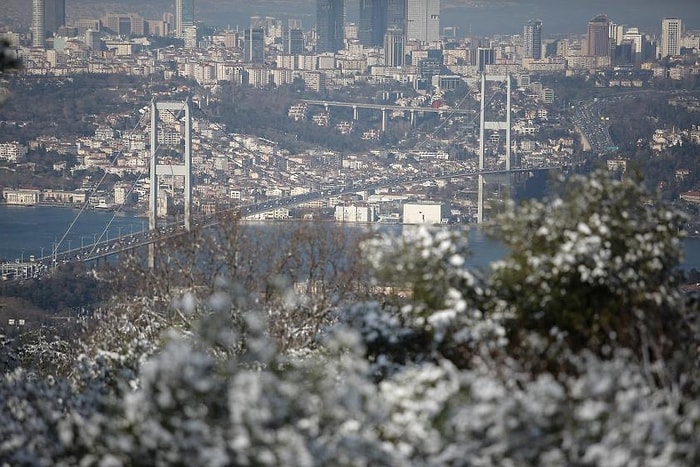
(599, 265)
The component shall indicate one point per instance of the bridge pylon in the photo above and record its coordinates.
(183, 170)
(499, 125)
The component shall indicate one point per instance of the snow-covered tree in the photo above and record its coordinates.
(443, 366)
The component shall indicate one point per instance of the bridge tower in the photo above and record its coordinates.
(492, 125)
(182, 170)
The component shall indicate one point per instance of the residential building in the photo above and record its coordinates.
(12, 152)
(357, 212)
(532, 39)
(671, 30)
(38, 29)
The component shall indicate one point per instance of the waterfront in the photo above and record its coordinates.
(26, 231)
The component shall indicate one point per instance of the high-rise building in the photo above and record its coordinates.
(38, 31)
(532, 39)
(330, 23)
(373, 22)
(396, 15)
(599, 36)
(423, 20)
(394, 49)
(125, 25)
(254, 42)
(184, 16)
(485, 56)
(54, 15)
(294, 41)
(671, 30)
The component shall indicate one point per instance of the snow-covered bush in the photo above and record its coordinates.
(599, 265)
(442, 371)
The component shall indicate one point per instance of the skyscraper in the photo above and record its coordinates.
(330, 23)
(293, 41)
(373, 22)
(38, 31)
(54, 15)
(599, 36)
(423, 20)
(184, 16)
(671, 29)
(254, 41)
(532, 39)
(394, 54)
(396, 15)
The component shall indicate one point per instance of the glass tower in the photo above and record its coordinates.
(373, 22)
(330, 23)
(184, 16)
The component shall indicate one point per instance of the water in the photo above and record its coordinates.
(26, 231)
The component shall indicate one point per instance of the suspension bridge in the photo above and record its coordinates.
(104, 246)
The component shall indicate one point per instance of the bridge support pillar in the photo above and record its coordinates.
(183, 170)
(499, 125)
(355, 113)
(413, 118)
(384, 119)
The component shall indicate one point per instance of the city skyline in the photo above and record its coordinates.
(467, 16)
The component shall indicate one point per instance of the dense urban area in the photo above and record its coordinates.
(280, 325)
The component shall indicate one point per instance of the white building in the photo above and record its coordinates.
(671, 31)
(359, 212)
(424, 213)
(12, 152)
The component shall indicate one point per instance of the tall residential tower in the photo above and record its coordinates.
(671, 30)
(38, 30)
(532, 39)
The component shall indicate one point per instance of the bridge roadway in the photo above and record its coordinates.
(115, 246)
(363, 105)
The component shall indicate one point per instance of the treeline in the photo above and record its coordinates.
(64, 107)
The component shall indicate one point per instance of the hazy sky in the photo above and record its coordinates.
(482, 17)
